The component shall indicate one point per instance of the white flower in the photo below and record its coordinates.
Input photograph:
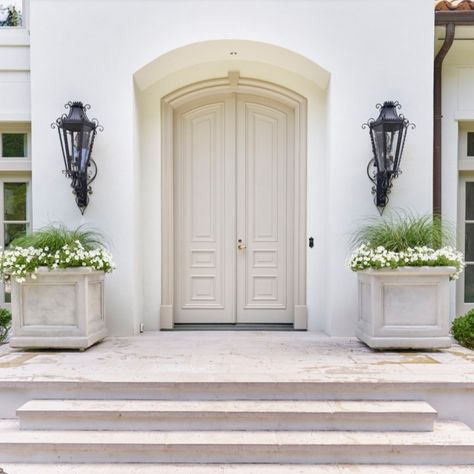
(379, 257)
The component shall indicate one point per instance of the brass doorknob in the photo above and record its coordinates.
(240, 245)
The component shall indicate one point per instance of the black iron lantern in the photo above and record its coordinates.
(387, 134)
(77, 134)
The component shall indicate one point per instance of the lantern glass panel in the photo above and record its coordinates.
(392, 139)
(73, 139)
(386, 142)
(84, 141)
(380, 147)
(68, 138)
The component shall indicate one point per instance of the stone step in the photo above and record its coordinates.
(448, 442)
(151, 415)
(449, 399)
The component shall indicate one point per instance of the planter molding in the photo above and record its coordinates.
(404, 308)
(61, 308)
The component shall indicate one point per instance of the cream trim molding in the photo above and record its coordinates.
(232, 84)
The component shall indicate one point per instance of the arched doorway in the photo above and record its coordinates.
(234, 204)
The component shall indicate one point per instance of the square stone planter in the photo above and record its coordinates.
(404, 308)
(61, 308)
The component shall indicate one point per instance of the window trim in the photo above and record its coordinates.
(465, 162)
(469, 132)
(27, 154)
(14, 178)
(25, 14)
(461, 306)
(17, 164)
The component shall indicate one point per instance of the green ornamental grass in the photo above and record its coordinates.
(403, 230)
(463, 329)
(55, 237)
(405, 240)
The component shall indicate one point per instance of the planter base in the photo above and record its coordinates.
(405, 342)
(60, 309)
(72, 342)
(404, 308)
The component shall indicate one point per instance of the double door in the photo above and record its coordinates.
(233, 210)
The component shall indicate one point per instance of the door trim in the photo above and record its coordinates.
(232, 83)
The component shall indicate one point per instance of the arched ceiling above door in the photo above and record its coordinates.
(236, 52)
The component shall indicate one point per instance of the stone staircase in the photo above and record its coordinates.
(208, 432)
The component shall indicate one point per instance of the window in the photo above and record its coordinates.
(470, 144)
(15, 215)
(466, 146)
(11, 14)
(469, 243)
(465, 288)
(14, 145)
(15, 187)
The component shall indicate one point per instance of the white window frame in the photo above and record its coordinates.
(466, 175)
(19, 163)
(25, 14)
(13, 178)
(465, 163)
(17, 35)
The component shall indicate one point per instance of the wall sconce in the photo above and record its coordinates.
(387, 134)
(77, 134)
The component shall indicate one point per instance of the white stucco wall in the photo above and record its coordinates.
(15, 71)
(374, 50)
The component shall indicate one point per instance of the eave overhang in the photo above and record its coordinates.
(454, 11)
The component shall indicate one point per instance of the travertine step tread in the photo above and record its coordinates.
(448, 442)
(225, 406)
(444, 434)
(230, 469)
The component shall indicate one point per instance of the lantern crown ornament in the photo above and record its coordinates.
(387, 135)
(77, 134)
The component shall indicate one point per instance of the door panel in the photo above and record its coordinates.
(204, 208)
(264, 202)
(233, 179)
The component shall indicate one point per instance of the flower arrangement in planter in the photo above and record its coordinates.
(57, 284)
(404, 265)
(366, 257)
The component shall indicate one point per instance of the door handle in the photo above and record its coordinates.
(241, 245)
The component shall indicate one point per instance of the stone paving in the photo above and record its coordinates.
(230, 469)
(226, 356)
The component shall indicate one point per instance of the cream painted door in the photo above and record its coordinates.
(233, 195)
(265, 177)
(204, 214)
